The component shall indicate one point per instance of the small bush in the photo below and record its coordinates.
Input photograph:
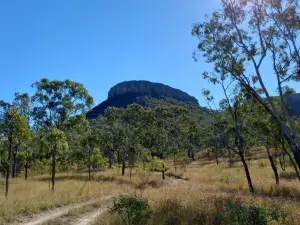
(131, 210)
(238, 214)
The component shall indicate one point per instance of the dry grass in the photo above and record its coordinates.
(27, 197)
(183, 198)
(207, 187)
(34, 195)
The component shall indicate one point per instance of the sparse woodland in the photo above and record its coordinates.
(236, 162)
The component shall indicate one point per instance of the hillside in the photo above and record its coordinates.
(144, 93)
(294, 102)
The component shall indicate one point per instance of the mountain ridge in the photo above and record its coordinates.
(129, 92)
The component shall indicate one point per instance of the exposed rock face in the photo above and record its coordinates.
(129, 92)
(147, 88)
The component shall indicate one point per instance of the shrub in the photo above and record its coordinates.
(131, 210)
(238, 214)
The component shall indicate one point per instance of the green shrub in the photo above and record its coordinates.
(238, 214)
(131, 210)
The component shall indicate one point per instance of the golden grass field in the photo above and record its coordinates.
(203, 189)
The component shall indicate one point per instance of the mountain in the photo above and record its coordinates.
(294, 102)
(143, 93)
(151, 94)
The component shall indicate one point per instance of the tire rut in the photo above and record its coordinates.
(46, 216)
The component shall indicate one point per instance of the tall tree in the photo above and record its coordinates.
(56, 102)
(14, 131)
(23, 103)
(232, 123)
(239, 39)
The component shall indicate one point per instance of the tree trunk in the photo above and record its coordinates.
(273, 165)
(217, 158)
(89, 171)
(282, 161)
(290, 138)
(110, 160)
(163, 172)
(174, 160)
(6, 183)
(8, 168)
(293, 163)
(130, 172)
(296, 153)
(13, 167)
(26, 170)
(251, 188)
(53, 171)
(13, 170)
(294, 148)
(123, 168)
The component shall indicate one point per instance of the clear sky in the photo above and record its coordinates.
(101, 43)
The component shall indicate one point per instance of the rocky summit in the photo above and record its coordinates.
(129, 92)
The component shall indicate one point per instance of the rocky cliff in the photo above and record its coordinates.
(129, 92)
(147, 88)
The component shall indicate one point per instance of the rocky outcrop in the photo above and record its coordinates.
(129, 92)
(147, 88)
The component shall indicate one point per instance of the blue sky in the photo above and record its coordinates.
(100, 43)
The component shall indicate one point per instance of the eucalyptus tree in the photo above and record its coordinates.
(55, 103)
(177, 125)
(281, 144)
(263, 128)
(194, 138)
(89, 141)
(231, 122)
(106, 139)
(57, 143)
(122, 134)
(212, 139)
(23, 103)
(241, 38)
(14, 132)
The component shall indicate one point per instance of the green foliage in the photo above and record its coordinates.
(182, 160)
(237, 40)
(14, 133)
(40, 166)
(132, 211)
(58, 101)
(238, 214)
(99, 161)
